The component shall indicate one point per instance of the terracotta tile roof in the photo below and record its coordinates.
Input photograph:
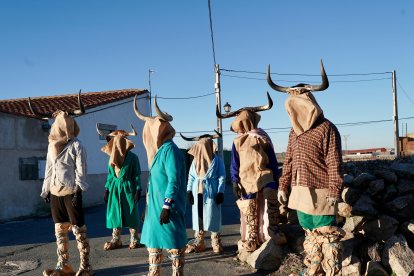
(49, 104)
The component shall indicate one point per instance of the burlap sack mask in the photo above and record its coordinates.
(303, 110)
(245, 121)
(203, 152)
(63, 130)
(156, 131)
(117, 148)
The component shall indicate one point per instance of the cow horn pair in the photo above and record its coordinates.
(79, 111)
(197, 138)
(304, 87)
(252, 109)
(164, 115)
(132, 133)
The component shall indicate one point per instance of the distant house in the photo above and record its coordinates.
(407, 144)
(23, 145)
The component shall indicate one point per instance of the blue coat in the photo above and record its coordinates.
(166, 180)
(213, 183)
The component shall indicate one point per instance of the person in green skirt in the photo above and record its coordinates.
(122, 189)
(164, 223)
(312, 172)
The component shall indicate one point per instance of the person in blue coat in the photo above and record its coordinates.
(164, 223)
(205, 192)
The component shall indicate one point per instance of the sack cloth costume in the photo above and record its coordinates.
(164, 224)
(122, 189)
(65, 179)
(254, 175)
(313, 172)
(205, 192)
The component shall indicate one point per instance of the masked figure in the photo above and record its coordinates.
(254, 174)
(313, 172)
(65, 179)
(205, 192)
(122, 188)
(164, 224)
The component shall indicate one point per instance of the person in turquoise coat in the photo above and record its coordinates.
(164, 223)
(122, 189)
(205, 192)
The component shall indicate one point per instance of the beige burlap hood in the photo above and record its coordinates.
(64, 128)
(303, 111)
(156, 131)
(251, 144)
(117, 148)
(203, 152)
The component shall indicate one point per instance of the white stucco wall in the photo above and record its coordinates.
(22, 137)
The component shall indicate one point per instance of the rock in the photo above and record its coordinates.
(407, 168)
(374, 252)
(362, 180)
(351, 195)
(353, 269)
(364, 207)
(376, 186)
(405, 186)
(380, 229)
(344, 209)
(268, 257)
(388, 176)
(397, 256)
(348, 244)
(353, 224)
(292, 217)
(389, 193)
(348, 179)
(375, 269)
(401, 208)
(407, 229)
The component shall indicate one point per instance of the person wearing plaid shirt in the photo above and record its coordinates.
(312, 173)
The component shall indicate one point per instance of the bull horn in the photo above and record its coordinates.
(164, 115)
(189, 138)
(325, 81)
(44, 116)
(218, 135)
(138, 113)
(133, 132)
(81, 109)
(274, 85)
(100, 131)
(252, 109)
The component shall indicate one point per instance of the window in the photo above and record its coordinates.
(106, 129)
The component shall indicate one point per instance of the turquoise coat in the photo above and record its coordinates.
(213, 183)
(121, 211)
(167, 179)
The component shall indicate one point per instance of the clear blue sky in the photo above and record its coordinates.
(58, 47)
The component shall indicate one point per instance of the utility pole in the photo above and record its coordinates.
(150, 71)
(346, 142)
(395, 117)
(218, 103)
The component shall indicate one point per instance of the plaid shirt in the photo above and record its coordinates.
(316, 158)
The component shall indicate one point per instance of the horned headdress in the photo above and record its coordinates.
(197, 138)
(157, 129)
(301, 105)
(252, 109)
(117, 147)
(63, 129)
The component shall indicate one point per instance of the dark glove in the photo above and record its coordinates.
(77, 198)
(165, 216)
(219, 198)
(236, 190)
(47, 198)
(137, 196)
(106, 195)
(190, 197)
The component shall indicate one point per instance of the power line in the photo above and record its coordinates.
(304, 75)
(211, 33)
(185, 98)
(404, 92)
(296, 81)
